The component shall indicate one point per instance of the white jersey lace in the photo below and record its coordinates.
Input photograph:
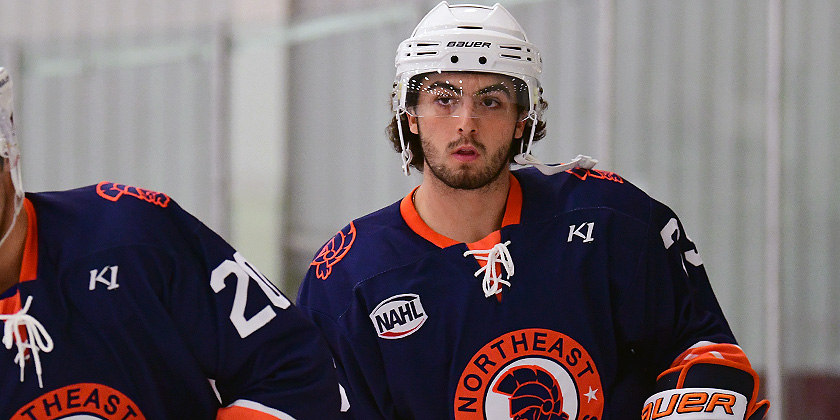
(581, 161)
(38, 338)
(493, 281)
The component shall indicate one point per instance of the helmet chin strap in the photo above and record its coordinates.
(406, 154)
(9, 151)
(526, 158)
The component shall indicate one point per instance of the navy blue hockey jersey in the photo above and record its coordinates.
(601, 291)
(152, 315)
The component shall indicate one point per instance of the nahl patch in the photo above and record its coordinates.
(398, 316)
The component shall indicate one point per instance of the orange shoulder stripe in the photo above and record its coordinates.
(29, 265)
(718, 354)
(248, 410)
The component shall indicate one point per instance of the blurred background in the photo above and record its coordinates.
(266, 119)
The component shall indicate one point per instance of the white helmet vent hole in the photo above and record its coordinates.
(482, 60)
(470, 27)
(453, 59)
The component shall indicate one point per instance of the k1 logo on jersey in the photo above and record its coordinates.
(584, 234)
(530, 374)
(398, 316)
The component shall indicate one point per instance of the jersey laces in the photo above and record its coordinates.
(496, 258)
(39, 340)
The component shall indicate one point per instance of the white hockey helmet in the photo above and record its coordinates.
(469, 38)
(8, 143)
(466, 38)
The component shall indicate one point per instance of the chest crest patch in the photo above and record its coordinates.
(530, 374)
(81, 401)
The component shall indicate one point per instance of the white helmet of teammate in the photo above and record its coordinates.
(9, 150)
(468, 38)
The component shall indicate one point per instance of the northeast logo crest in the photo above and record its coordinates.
(81, 402)
(530, 374)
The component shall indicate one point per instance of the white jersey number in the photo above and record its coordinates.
(244, 272)
(670, 234)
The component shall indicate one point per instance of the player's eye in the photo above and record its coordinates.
(445, 100)
(490, 102)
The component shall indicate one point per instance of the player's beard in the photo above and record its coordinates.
(463, 177)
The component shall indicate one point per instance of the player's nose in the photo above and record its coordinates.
(467, 118)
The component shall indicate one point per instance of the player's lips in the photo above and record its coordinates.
(465, 153)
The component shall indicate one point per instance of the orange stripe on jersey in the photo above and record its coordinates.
(29, 265)
(487, 242)
(513, 213)
(11, 305)
(717, 354)
(716, 351)
(236, 412)
(416, 223)
(513, 208)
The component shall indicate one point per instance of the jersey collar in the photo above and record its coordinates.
(513, 212)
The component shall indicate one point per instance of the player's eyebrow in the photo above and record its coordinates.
(498, 87)
(444, 85)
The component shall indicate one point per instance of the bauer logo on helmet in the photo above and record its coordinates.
(468, 44)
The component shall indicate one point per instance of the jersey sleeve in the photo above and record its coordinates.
(266, 360)
(359, 365)
(702, 369)
(326, 297)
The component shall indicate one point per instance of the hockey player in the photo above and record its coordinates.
(118, 304)
(555, 292)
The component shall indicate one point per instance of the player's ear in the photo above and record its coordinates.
(519, 129)
(412, 123)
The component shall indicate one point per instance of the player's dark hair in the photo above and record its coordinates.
(413, 140)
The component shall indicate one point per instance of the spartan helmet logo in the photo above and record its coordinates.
(534, 394)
